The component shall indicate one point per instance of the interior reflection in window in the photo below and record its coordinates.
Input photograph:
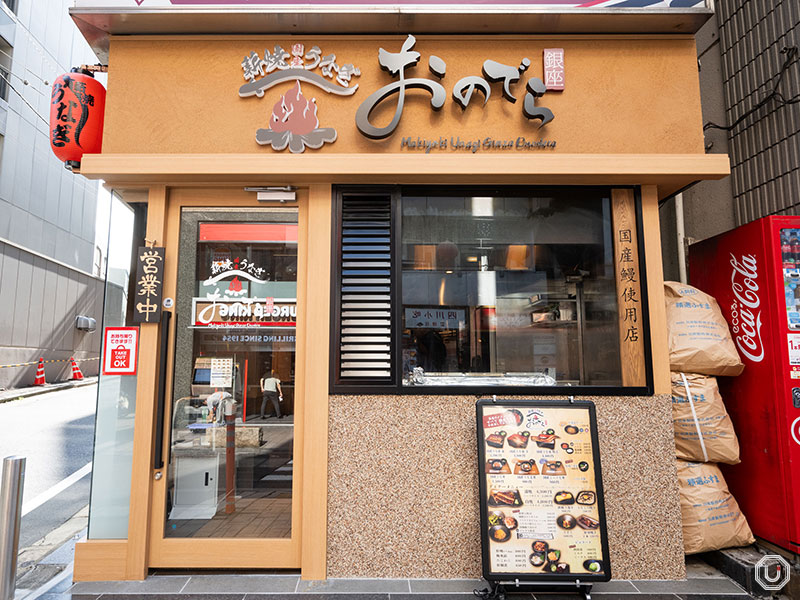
(509, 290)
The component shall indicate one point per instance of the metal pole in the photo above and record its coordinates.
(10, 511)
(230, 456)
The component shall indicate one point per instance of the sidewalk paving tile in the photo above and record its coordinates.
(165, 584)
(179, 597)
(241, 584)
(355, 586)
(68, 596)
(713, 596)
(434, 596)
(618, 597)
(333, 596)
(714, 586)
(615, 586)
(446, 585)
(64, 554)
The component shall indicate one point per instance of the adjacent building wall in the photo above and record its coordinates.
(40, 300)
(46, 212)
(739, 58)
(765, 149)
(708, 205)
(403, 487)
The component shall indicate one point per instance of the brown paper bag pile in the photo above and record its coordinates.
(700, 347)
(711, 517)
(703, 429)
(699, 339)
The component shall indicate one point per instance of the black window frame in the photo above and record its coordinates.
(356, 387)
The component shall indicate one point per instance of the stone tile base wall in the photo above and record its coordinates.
(403, 487)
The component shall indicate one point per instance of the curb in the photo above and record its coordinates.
(23, 393)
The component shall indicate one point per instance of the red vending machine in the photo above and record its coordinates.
(754, 273)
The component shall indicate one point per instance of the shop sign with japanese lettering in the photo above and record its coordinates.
(244, 312)
(149, 285)
(120, 350)
(629, 290)
(293, 120)
(435, 318)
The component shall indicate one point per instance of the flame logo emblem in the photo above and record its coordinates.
(294, 123)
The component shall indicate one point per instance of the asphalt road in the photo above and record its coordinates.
(55, 432)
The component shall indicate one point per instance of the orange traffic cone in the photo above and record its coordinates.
(76, 372)
(40, 373)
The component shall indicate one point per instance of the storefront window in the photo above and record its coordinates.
(509, 289)
(112, 461)
(235, 355)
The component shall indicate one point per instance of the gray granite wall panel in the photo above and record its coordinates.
(22, 296)
(403, 488)
(8, 291)
(38, 305)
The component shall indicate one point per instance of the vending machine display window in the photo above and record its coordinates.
(790, 258)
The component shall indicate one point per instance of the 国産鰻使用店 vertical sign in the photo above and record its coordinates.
(542, 511)
(630, 302)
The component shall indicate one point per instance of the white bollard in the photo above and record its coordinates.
(11, 484)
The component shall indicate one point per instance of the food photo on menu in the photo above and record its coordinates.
(543, 513)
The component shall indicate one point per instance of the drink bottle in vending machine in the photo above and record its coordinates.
(754, 273)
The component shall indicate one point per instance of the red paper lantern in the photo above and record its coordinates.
(77, 106)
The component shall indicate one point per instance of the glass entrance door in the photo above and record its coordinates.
(233, 403)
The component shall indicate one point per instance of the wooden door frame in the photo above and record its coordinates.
(227, 552)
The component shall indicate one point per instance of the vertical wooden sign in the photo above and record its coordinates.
(149, 285)
(629, 296)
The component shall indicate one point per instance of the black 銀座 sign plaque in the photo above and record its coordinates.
(149, 285)
(541, 505)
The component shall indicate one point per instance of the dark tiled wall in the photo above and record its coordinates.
(765, 149)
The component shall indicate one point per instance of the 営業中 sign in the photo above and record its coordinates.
(120, 349)
(542, 512)
(149, 285)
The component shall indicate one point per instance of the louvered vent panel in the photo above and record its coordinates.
(366, 289)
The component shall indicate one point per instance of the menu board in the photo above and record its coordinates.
(542, 512)
(221, 372)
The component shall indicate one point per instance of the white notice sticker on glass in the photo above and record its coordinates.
(221, 372)
(794, 348)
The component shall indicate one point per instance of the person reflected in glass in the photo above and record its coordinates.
(271, 390)
(432, 350)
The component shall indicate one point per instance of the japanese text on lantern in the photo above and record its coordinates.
(149, 285)
(71, 115)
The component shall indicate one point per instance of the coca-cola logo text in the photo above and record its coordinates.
(745, 308)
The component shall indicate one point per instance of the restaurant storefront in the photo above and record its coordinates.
(365, 231)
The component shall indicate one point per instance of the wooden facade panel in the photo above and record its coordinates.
(610, 104)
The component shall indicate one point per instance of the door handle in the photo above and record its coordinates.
(206, 478)
(158, 455)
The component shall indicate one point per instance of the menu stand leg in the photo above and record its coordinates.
(495, 592)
